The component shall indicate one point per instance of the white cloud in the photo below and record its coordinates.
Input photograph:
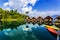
(43, 13)
(27, 9)
(5, 4)
(22, 6)
(7, 8)
(33, 2)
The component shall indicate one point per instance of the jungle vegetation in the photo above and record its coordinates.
(12, 15)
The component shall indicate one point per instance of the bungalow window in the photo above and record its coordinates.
(40, 20)
(46, 20)
(56, 23)
(57, 20)
(50, 19)
(37, 21)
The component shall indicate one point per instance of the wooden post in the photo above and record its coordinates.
(58, 36)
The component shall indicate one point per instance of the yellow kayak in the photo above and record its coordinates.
(52, 29)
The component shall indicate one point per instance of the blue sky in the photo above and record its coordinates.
(42, 5)
(35, 7)
(2, 2)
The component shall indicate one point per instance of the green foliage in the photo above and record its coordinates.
(11, 15)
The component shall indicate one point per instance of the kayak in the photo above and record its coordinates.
(52, 29)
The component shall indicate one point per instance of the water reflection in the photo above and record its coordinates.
(6, 25)
(22, 32)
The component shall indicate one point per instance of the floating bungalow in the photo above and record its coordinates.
(33, 20)
(48, 20)
(57, 21)
(27, 20)
(58, 18)
(39, 20)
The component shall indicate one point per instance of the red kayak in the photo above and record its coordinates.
(52, 30)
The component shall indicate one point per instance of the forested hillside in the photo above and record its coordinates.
(11, 15)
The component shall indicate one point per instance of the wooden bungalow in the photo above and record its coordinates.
(33, 20)
(27, 20)
(39, 20)
(58, 18)
(57, 21)
(48, 20)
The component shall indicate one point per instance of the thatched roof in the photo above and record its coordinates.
(39, 17)
(57, 17)
(33, 18)
(48, 17)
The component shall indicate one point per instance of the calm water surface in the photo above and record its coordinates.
(33, 32)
